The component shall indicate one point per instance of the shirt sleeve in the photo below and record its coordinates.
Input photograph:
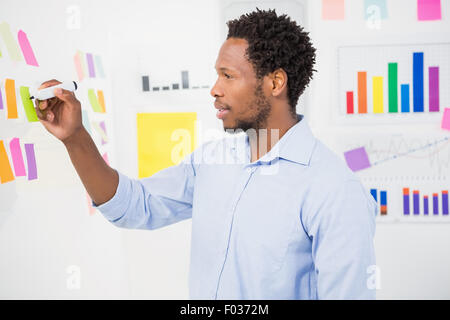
(342, 230)
(154, 202)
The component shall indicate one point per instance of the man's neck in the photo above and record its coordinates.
(263, 140)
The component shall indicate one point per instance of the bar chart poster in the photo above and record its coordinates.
(393, 84)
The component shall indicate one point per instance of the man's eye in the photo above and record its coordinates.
(227, 76)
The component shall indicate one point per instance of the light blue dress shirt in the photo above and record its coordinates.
(295, 224)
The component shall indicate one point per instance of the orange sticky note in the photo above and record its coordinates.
(11, 103)
(101, 100)
(333, 9)
(6, 173)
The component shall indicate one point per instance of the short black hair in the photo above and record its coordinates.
(276, 42)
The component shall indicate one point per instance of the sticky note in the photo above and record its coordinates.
(375, 9)
(6, 173)
(10, 42)
(428, 10)
(28, 104)
(90, 63)
(27, 51)
(11, 103)
(99, 66)
(357, 159)
(164, 139)
(1, 99)
(101, 129)
(78, 66)
(333, 9)
(101, 100)
(105, 157)
(17, 158)
(446, 119)
(31, 161)
(94, 101)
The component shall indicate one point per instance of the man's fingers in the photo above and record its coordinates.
(49, 83)
(65, 95)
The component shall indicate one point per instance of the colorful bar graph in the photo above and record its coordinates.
(362, 92)
(416, 207)
(445, 202)
(435, 204)
(433, 85)
(383, 203)
(418, 101)
(349, 102)
(406, 201)
(377, 83)
(405, 97)
(393, 86)
(425, 205)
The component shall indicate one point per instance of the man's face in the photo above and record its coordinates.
(237, 89)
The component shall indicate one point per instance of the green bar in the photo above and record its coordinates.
(28, 104)
(393, 86)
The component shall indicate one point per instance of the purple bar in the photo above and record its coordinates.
(1, 100)
(425, 205)
(445, 203)
(31, 161)
(90, 62)
(416, 203)
(435, 205)
(433, 82)
(406, 204)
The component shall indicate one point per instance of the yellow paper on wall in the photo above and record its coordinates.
(164, 139)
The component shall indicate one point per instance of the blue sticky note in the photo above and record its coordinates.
(375, 9)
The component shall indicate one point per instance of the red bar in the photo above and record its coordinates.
(416, 192)
(383, 210)
(445, 192)
(349, 102)
(362, 92)
(405, 191)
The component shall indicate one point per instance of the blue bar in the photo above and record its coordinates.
(418, 81)
(374, 194)
(405, 97)
(383, 200)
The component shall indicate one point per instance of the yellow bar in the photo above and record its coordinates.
(377, 94)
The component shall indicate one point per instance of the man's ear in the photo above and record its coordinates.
(279, 81)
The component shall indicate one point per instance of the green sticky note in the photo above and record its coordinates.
(28, 104)
(94, 101)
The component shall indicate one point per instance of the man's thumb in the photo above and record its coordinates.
(64, 95)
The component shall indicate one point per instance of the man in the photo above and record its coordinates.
(274, 216)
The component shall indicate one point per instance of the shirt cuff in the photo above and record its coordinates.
(115, 207)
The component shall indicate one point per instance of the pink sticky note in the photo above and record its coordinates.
(333, 9)
(17, 158)
(105, 157)
(428, 10)
(357, 159)
(26, 49)
(446, 119)
(78, 67)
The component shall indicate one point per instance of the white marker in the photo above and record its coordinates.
(47, 93)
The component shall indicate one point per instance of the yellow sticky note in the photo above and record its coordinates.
(101, 100)
(11, 102)
(6, 173)
(164, 139)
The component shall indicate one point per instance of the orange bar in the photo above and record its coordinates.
(383, 210)
(405, 191)
(10, 88)
(6, 173)
(362, 92)
(101, 100)
(416, 192)
(435, 194)
(445, 192)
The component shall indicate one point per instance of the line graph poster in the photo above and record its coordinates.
(393, 84)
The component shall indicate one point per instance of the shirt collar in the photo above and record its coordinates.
(295, 145)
